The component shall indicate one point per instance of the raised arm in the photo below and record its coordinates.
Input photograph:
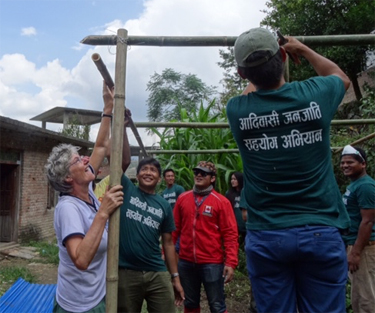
(249, 88)
(126, 154)
(321, 65)
(102, 140)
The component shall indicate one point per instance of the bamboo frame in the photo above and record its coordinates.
(117, 129)
(102, 69)
(226, 125)
(116, 172)
(212, 151)
(210, 41)
(368, 137)
(108, 80)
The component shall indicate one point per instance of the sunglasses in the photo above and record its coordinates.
(202, 173)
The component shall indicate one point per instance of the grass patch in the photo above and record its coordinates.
(48, 251)
(9, 275)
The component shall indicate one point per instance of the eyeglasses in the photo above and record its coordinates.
(202, 173)
(78, 160)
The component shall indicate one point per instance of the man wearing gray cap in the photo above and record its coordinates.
(359, 199)
(295, 254)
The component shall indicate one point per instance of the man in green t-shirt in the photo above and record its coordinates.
(145, 217)
(173, 190)
(295, 254)
(359, 200)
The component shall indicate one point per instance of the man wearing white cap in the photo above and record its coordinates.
(359, 200)
(296, 257)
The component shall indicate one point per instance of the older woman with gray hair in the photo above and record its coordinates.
(81, 222)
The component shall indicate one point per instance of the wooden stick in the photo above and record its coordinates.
(357, 142)
(116, 172)
(225, 41)
(109, 81)
(137, 136)
(102, 69)
(334, 123)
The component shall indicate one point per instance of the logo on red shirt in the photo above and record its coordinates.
(207, 210)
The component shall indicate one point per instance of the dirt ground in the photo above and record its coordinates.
(236, 301)
(43, 273)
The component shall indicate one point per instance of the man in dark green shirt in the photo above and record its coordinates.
(359, 199)
(295, 255)
(145, 218)
(173, 190)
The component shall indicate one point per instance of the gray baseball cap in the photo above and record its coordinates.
(255, 39)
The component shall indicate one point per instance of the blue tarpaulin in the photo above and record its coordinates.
(24, 297)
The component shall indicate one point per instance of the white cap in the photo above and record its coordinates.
(350, 150)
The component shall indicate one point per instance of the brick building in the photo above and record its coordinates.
(26, 199)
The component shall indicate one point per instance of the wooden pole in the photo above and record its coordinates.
(116, 170)
(334, 123)
(211, 151)
(368, 137)
(108, 80)
(137, 136)
(228, 41)
(102, 69)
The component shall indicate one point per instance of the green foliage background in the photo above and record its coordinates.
(170, 88)
(199, 139)
(221, 138)
(323, 17)
(75, 129)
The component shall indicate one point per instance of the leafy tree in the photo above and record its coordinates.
(74, 129)
(199, 139)
(326, 17)
(344, 135)
(232, 82)
(170, 88)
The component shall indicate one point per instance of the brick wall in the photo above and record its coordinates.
(35, 221)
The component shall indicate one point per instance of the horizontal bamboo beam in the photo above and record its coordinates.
(210, 41)
(361, 140)
(226, 125)
(211, 151)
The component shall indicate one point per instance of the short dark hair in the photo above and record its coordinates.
(147, 161)
(266, 75)
(168, 170)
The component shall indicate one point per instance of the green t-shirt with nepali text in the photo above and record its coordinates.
(283, 138)
(171, 194)
(143, 218)
(359, 195)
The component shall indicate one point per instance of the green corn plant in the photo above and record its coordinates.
(199, 139)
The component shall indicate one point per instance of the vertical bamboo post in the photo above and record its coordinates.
(116, 169)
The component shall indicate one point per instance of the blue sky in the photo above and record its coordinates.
(59, 26)
(43, 64)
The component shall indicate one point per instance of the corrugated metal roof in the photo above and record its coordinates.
(24, 297)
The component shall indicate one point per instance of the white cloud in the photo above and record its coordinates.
(78, 47)
(27, 90)
(28, 31)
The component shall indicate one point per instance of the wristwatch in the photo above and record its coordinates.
(107, 115)
(174, 275)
